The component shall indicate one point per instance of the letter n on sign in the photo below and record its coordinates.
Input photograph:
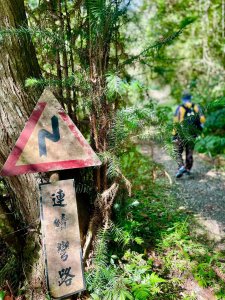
(60, 229)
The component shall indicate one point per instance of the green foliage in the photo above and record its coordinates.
(152, 214)
(143, 284)
(187, 21)
(116, 86)
(145, 290)
(204, 274)
(3, 190)
(190, 253)
(106, 274)
(215, 122)
(188, 62)
(10, 271)
(130, 122)
(68, 82)
(42, 35)
(121, 264)
(2, 295)
(150, 50)
(212, 145)
(103, 17)
(213, 141)
(33, 82)
(130, 280)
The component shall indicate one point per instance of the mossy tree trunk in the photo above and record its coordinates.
(17, 63)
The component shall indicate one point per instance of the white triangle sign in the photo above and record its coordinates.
(50, 141)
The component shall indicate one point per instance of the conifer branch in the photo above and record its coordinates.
(156, 46)
(39, 33)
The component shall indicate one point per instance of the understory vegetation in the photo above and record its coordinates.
(152, 247)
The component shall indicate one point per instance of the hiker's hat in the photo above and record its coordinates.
(186, 97)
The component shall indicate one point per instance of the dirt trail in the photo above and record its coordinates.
(203, 192)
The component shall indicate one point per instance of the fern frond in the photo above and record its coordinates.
(117, 234)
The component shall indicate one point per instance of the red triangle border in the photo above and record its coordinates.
(10, 167)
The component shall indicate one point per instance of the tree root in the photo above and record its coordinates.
(101, 215)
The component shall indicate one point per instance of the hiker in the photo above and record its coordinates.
(189, 121)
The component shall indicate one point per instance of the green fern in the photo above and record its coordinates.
(141, 291)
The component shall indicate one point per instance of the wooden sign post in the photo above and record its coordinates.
(60, 230)
(51, 141)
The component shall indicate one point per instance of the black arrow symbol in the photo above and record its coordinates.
(44, 134)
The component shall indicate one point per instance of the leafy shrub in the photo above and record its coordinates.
(213, 141)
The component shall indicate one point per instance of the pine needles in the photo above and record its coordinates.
(42, 35)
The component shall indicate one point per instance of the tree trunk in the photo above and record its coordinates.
(17, 63)
(100, 120)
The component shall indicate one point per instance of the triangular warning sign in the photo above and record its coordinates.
(50, 141)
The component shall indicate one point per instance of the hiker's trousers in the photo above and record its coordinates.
(180, 147)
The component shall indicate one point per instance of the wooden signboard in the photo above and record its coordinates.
(60, 230)
(50, 141)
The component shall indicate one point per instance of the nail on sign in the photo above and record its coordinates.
(50, 141)
(60, 229)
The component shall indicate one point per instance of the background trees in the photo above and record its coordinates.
(194, 62)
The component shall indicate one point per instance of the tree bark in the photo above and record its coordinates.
(17, 63)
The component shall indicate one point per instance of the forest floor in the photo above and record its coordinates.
(202, 193)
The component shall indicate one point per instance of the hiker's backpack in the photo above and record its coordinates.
(192, 120)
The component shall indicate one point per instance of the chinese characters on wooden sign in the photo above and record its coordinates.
(60, 230)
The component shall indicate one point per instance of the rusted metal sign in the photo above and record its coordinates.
(61, 238)
(50, 141)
